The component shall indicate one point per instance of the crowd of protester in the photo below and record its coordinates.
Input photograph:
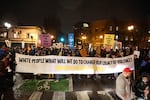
(7, 60)
(7, 70)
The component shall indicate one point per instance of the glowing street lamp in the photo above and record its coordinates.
(8, 25)
(84, 37)
(100, 42)
(131, 27)
(52, 36)
(101, 36)
(130, 36)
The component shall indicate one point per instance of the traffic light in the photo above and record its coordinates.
(62, 39)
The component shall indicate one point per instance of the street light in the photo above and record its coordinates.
(101, 37)
(130, 28)
(84, 37)
(62, 39)
(52, 39)
(8, 25)
(52, 36)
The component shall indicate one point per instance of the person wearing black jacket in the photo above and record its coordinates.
(6, 78)
(142, 88)
(3, 85)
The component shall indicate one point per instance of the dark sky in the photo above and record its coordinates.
(32, 12)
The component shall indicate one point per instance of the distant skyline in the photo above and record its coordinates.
(33, 12)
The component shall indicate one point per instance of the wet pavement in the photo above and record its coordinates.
(93, 84)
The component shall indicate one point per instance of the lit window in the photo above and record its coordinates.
(110, 28)
(116, 37)
(126, 38)
(131, 39)
(15, 35)
(148, 39)
(3, 35)
(117, 28)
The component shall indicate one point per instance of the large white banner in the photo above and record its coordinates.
(71, 65)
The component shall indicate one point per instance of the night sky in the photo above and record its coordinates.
(33, 12)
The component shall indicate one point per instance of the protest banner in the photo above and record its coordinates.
(45, 40)
(72, 65)
(109, 41)
(137, 53)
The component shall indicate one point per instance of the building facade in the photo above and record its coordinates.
(130, 33)
(24, 36)
(101, 27)
(82, 32)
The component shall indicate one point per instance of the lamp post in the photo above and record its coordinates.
(52, 39)
(130, 29)
(101, 37)
(7, 25)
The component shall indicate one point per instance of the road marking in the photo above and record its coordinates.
(111, 98)
(70, 84)
(58, 96)
(105, 93)
(18, 81)
(36, 95)
(82, 95)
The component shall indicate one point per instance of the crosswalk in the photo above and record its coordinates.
(78, 95)
(58, 96)
(82, 95)
(78, 90)
(35, 96)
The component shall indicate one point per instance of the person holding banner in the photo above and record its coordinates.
(58, 75)
(123, 86)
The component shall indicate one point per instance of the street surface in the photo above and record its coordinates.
(79, 89)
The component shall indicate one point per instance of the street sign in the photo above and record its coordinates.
(71, 40)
